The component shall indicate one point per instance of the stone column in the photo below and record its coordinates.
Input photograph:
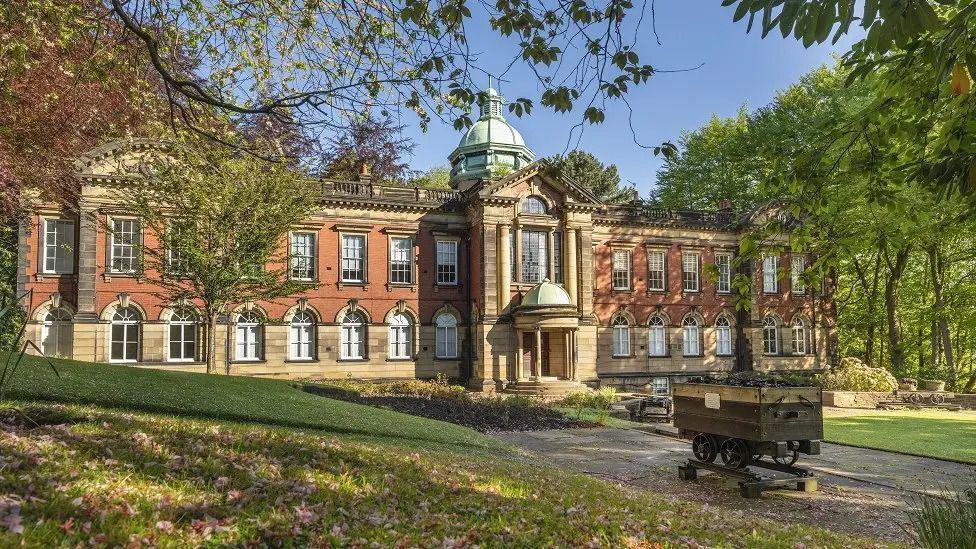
(572, 352)
(518, 253)
(568, 354)
(87, 261)
(551, 252)
(504, 268)
(519, 353)
(537, 360)
(571, 274)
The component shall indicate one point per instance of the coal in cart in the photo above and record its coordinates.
(742, 425)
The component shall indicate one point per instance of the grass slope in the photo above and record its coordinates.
(932, 433)
(260, 463)
(243, 399)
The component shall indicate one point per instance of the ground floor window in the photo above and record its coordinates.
(250, 336)
(621, 337)
(446, 336)
(770, 336)
(57, 334)
(723, 336)
(302, 336)
(801, 337)
(657, 337)
(692, 337)
(661, 386)
(125, 335)
(183, 336)
(400, 340)
(353, 337)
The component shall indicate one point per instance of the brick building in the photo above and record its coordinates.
(517, 281)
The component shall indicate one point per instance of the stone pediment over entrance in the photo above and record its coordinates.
(117, 160)
(540, 174)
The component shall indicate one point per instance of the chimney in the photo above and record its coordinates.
(635, 197)
(364, 173)
(725, 204)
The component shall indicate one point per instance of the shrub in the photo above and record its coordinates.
(946, 521)
(578, 401)
(854, 375)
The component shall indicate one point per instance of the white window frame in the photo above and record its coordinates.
(620, 274)
(362, 260)
(723, 263)
(723, 334)
(307, 254)
(350, 347)
(174, 258)
(61, 249)
(249, 337)
(653, 284)
(182, 320)
(770, 266)
(798, 264)
(396, 261)
(621, 337)
(445, 336)
(801, 337)
(401, 337)
(693, 269)
(661, 386)
(447, 261)
(691, 337)
(657, 337)
(134, 245)
(302, 336)
(128, 323)
(770, 333)
(57, 323)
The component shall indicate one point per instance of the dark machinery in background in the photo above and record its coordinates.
(650, 408)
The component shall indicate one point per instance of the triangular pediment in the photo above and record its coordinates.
(118, 159)
(541, 177)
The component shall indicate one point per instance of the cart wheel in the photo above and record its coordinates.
(915, 398)
(736, 453)
(788, 459)
(704, 447)
(937, 398)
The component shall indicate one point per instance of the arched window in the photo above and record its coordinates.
(770, 336)
(723, 336)
(621, 337)
(125, 335)
(182, 336)
(250, 336)
(353, 337)
(692, 337)
(801, 337)
(57, 334)
(401, 336)
(658, 336)
(534, 205)
(301, 342)
(446, 336)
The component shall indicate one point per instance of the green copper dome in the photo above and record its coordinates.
(491, 146)
(546, 294)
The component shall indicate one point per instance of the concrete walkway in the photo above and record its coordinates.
(862, 491)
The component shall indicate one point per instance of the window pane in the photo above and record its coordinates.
(59, 240)
(689, 268)
(535, 256)
(303, 256)
(353, 258)
(724, 264)
(447, 262)
(125, 238)
(557, 260)
(401, 261)
(770, 281)
(534, 205)
(655, 270)
(621, 270)
(796, 270)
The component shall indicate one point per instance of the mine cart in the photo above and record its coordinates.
(742, 424)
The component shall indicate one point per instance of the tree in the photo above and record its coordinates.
(217, 225)
(377, 144)
(585, 168)
(438, 177)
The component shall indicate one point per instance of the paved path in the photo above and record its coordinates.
(862, 491)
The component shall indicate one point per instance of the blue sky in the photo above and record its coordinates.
(739, 69)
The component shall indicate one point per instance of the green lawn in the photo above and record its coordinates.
(142, 457)
(933, 433)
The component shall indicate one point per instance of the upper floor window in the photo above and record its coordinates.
(557, 257)
(798, 264)
(446, 336)
(534, 205)
(801, 337)
(723, 336)
(692, 337)
(770, 336)
(401, 260)
(59, 245)
(175, 247)
(656, 268)
(182, 336)
(535, 255)
(690, 271)
(723, 262)
(621, 270)
(770, 278)
(447, 262)
(303, 256)
(123, 246)
(621, 337)
(657, 344)
(353, 258)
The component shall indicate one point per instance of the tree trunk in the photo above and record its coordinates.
(941, 335)
(212, 343)
(895, 340)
